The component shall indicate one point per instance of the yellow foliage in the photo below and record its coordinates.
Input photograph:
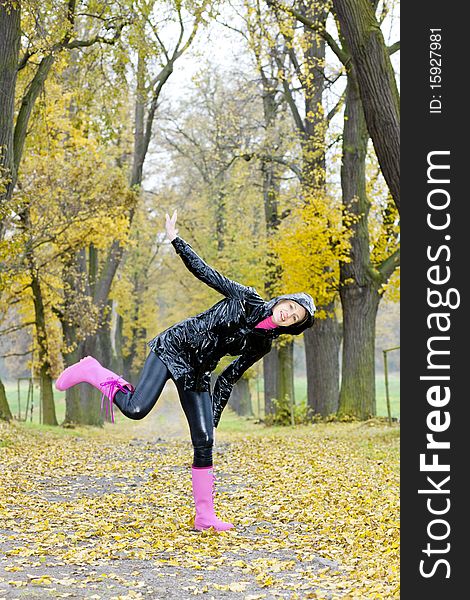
(310, 243)
(72, 194)
(315, 508)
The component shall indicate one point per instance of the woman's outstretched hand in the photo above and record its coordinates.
(170, 226)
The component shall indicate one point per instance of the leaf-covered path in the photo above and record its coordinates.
(108, 514)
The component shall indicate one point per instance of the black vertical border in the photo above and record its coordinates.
(421, 133)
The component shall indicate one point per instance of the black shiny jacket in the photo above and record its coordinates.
(192, 348)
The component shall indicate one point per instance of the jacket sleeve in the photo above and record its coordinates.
(207, 274)
(229, 376)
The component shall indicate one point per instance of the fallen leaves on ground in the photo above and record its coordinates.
(315, 511)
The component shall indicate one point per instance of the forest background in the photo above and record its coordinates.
(273, 127)
(253, 119)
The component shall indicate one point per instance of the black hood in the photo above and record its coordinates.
(304, 300)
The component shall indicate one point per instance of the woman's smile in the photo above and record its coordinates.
(288, 312)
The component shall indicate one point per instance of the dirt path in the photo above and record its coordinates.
(108, 517)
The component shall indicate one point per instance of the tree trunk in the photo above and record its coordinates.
(271, 362)
(358, 290)
(98, 346)
(314, 157)
(98, 285)
(139, 124)
(240, 399)
(122, 364)
(270, 375)
(77, 280)
(73, 408)
(322, 358)
(47, 395)
(286, 373)
(360, 281)
(5, 412)
(106, 353)
(357, 398)
(322, 342)
(80, 277)
(377, 85)
(10, 36)
(133, 363)
(89, 396)
(45, 379)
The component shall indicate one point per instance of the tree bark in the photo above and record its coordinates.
(80, 277)
(357, 397)
(73, 402)
(73, 411)
(360, 283)
(314, 157)
(358, 292)
(99, 282)
(377, 85)
(322, 344)
(286, 391)
(122, 364)
(77, 281)
(5, 412)
(270, 375)
(240, 399)
(44, 371)
(10, 36)
(45, 378)
(73, 408)
(131, 364)
(26, 109)
(47, 395)
(272, 362)
(89, 396)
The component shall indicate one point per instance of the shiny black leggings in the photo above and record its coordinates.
(197, 406)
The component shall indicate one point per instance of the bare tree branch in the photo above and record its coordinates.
(98, 39)
(16, 354)
(336, 107)
(341, 54)
(9, 330)
(290, 98)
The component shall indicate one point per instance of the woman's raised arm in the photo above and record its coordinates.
(201, 269)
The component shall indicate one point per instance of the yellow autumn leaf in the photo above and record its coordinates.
(43, 580)
(345, 482)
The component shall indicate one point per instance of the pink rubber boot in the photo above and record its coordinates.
(89, 370)
(203, 490)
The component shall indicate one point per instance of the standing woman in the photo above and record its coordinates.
(242, 324)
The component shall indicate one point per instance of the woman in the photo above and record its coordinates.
(242, 324)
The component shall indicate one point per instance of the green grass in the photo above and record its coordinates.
(394, 393)
(18, 406)
(301, 394)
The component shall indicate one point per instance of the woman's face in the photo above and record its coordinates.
(288, 312)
